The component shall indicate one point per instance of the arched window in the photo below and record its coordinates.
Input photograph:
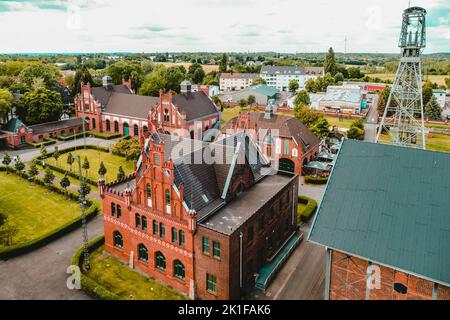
(119, 211)
(108, 125)
(116, 126)
(178, 269)
(145, 129)
(136, 130)
(182, 238)
(118, 240)
(160, 261)
(113, 209)
(167, 200)
(166, 115)
(138, 220)
(93, 123)
(174, 235)
(142, 253)
(149, 195)
(144, 223)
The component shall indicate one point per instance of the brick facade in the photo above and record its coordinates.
(348, 282)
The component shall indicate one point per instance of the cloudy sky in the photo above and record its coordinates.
(213, 25)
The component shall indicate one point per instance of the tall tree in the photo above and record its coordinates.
(120, 174)
(330, 62)
(6, 100)
(293, 85)
(223, 64)
(6, 160)
(19, 165)
(48, 73)
(301, 99)
(82, 75)
(102, 169)
(65, 182)
(86, 165)
(33, 171)
(56, 155)
(43, 151)
(321, 128)
(70, 160)
(432, 109)
(427, 92)
(196, 73)
(38, 106)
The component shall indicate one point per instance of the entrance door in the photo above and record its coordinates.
(126, 129)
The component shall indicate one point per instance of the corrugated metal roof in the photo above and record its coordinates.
(389, 205)
(262, 89)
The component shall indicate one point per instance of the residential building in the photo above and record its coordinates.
(209, 90)
(279, 77)
(262, 93)
(440, 96)
(286, 141)
(366, 86)
(16, 134)
(203, 227)
(391, 222)
(236, 81)
(116, 109)
(345, 99)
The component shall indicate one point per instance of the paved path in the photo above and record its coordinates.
(371, 124)
(41, 274)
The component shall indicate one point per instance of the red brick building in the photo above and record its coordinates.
(386, 230)
(284, 138)
(203, 227)
(116, 109)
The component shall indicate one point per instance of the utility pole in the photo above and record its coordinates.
(345, 45)
(400, 118)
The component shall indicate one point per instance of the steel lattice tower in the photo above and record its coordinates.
(405, 106)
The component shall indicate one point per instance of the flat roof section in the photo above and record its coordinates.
(233, 215)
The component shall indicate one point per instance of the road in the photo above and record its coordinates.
(41, 274)
(371, 124)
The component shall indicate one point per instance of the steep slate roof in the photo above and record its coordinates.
(130, 105)
(13, 125)
(102, 94)
(287, 126)
(389, 205)
(56, 125)
(195, 104)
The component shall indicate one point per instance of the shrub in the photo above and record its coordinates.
(71, 137)
(128, 148)
(45, 142)
(316, 180)
(304, 214)
(103, 135)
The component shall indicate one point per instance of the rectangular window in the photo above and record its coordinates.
(162, 230)
(138, 221)
(205, 245)
(155, 227)
(119, 211)
(211, 283)
(174, 235)
(113, 209)
(286, 147)
(216, 249)
(182, 238)
(144, 223)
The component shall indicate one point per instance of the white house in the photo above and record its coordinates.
(279, 77)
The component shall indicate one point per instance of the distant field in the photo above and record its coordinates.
(206, 67)
(437, 142)
(440, 80)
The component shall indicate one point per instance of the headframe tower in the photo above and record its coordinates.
(403, 115)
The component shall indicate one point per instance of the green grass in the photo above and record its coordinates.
(33, 209)
(335, 121)
(439, 79)
(116, 277)
(438, 142)
(112, 163)
(437, 126)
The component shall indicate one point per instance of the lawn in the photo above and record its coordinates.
(438, 142)
(206, 67)
(112, 163)
(341, 123)
(116, 277)
(33, 209)
(440, 80)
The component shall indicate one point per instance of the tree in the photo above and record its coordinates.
(251, 99)
(383, 97)
(7, 231)
(355, 73)
(427, 92)
(49, 175)
(39, 106)
(122, 70)
(301, 99)
(196, 73)
(432, 109)
(6, 159)
(338, 77)
(84, 190)
(330, 62)
(293, 85)
(356, 130)
(70, 160)
(43, 151)
(102, 170)
(120, 174)
(65, 182)
(310, 86)
(49, 74)
(19, 165)
(33, 171)
(258, 80)
(242, 103)
(56, 155)
(86, 165)
(447, 82)
(321, 128)
(82, 75)
(6, 101)
(223, 63)
(307, 116)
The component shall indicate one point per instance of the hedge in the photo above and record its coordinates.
(87, 284)
(304, 214)
(71, 137)
(316, 180)
(102, 135)
(71, 174)
(46, 142)
(75, 223)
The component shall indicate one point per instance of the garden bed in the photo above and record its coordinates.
(305, 208)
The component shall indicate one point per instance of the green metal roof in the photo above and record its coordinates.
(317, 165)
(263, 89)
(389, 205)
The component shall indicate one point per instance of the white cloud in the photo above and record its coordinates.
(214, 25)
